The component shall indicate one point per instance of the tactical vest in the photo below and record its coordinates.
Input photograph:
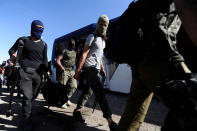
(69, 58)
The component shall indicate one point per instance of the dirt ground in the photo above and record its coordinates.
(59, 119)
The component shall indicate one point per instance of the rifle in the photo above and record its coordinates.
(16, 76)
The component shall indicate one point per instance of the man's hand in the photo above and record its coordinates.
(14, 55)
(3, 71)
(191, 78)
(103, 73)
(11, 64)
(62, 69)
(77, 75)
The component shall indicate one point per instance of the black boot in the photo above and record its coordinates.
(18, 96)
(113, 126)
(78, 116)
(26, 124)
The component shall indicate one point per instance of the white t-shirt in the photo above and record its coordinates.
(94, 57)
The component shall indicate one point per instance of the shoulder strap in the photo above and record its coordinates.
(44, 50)
(94, 39)
(63, 51)
(20, 50)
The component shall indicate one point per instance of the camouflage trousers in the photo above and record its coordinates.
(146, 75)
(67, 78)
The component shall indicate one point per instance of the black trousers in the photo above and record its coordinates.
(30, 84)
(94, 85)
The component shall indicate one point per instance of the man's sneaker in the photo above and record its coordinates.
(113, 126)
(18, 96)
(68, 103)
(64, 106)
(77, 116)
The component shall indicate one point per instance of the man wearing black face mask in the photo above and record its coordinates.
(66, 61)
(33, 62)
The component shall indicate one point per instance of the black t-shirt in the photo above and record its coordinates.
(34, 54)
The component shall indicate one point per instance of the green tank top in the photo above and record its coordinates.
(69, 58)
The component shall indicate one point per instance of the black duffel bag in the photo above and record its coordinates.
(55, 94)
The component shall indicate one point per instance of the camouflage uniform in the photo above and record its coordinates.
(68, 61)
(150, 71)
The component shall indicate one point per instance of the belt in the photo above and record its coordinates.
(30, 70)
(68, 66)
(71, 67)
(90, 68)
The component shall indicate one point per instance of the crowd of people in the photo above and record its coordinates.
(33, 63)
(148, 72)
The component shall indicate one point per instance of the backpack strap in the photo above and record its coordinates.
(44, 50)
(93, 39)
(20, 50)
(63, 51)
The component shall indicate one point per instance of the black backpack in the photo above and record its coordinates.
(137, 31)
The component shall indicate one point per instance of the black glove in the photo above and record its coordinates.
(191, 80)
(180, 70)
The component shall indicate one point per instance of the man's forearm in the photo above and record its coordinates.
(59, 64)
(83, 58)
(61, 67)
(185, 68)
(13, 49)
(102, 67)
(81, 63)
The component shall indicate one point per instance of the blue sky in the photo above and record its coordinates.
(59, 17)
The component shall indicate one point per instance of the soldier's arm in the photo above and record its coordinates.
(83, 57)
(13, 49)
(103, 73)
(82, 61)
(59, 58)
(45, 56)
